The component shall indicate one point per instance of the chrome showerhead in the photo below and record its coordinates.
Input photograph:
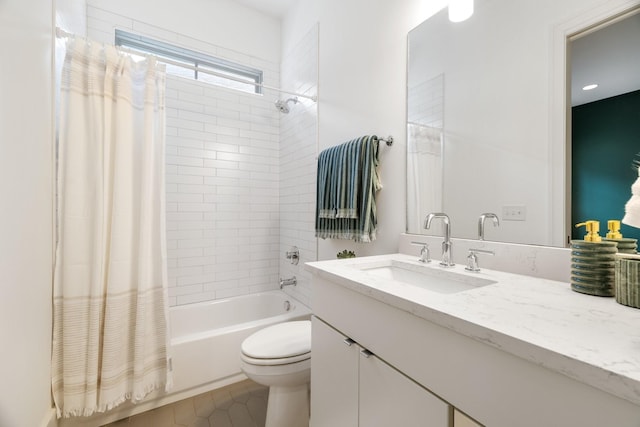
(283, 106)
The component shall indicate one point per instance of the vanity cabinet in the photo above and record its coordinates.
(425, 359)
(353, 387)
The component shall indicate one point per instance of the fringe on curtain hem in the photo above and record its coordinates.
(87, 412)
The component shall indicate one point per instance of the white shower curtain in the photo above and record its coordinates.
(110, 339)
(425, 157)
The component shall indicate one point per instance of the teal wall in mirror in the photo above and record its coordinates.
(605, 141)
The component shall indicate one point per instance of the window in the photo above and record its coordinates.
(195, 63)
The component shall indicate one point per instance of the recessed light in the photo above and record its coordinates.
(590, 87)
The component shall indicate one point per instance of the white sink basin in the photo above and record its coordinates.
(434, 279)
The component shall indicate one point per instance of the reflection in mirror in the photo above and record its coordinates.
(605, 125)
(483, 119)
(424, 150)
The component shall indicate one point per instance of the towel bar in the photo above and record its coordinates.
(388, 140)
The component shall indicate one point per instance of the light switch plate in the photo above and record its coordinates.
(514, 213)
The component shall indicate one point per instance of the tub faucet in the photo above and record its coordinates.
(292, 281)
(496, 222)
(447, 258)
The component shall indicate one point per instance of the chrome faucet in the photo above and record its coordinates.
(494, 217)
(447, 257)
(292, 281)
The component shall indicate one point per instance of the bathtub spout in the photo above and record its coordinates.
(288, 282)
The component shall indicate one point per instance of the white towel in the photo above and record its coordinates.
(632, 208)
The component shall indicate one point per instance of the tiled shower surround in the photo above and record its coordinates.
(233, 171)
(222, 192)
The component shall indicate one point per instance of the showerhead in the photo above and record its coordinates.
(283, 106)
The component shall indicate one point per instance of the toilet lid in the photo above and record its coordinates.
(287, 339)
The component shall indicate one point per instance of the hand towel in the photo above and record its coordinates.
(347, 184)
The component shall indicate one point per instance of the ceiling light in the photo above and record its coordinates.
(590, 87)
(459, 10)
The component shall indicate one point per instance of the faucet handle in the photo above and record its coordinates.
(293, 255)
(472, 259)
(424, 252)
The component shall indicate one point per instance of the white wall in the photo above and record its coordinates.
(71, 16)
(220, 22)
(362, 90)
(26, 214)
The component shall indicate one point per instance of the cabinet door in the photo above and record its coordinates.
(389, 398)
(334, 378)
(461, 420)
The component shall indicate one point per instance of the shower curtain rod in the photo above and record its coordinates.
(60, 33)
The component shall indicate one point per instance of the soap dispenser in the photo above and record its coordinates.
(593, 228)
(628, 246)
(614, 229)
(593, 262)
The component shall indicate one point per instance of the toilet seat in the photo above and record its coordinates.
(280, 344)
(273, 362)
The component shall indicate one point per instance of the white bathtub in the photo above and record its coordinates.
(205, 341)
(206, 337)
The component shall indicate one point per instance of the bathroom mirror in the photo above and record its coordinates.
(487, 113)
(605, 100)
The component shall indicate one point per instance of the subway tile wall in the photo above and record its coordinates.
(426, 102)
(222, 173)
(298, 159)
(222, 192)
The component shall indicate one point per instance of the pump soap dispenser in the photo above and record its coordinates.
(593, 228)
(614, 229)
(593, 262)
(625, 246)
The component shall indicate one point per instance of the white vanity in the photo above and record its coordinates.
(505, 349)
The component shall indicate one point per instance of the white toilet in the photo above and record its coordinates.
(279, 357)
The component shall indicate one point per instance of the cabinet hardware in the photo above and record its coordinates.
(366, 353)
(349, 341)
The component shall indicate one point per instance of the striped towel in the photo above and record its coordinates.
(346, 190)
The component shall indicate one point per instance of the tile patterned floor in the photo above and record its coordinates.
(238, 405)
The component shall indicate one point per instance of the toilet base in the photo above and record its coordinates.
(288, 406)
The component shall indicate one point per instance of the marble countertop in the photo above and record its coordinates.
(591, 339)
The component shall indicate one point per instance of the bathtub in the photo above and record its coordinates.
(205, 347)
(206, 337)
